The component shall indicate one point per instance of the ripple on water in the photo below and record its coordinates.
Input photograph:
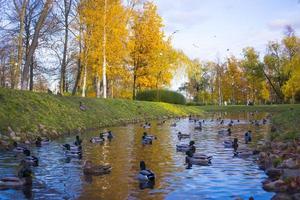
(60, 178)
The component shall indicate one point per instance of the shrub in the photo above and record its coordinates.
(161, 96)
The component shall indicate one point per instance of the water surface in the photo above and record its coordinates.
(58, 177)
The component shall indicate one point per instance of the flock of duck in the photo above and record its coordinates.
(145, 176)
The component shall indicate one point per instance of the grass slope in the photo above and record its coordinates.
(286, 118)
(23, 111)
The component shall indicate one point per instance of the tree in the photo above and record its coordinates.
(34, 44)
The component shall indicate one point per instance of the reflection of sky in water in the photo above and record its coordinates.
(227, 177)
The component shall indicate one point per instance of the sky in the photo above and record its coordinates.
(208, 29)
(211, 29)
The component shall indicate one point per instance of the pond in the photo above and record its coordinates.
(228, 177)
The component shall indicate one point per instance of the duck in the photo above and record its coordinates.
(225, 132)
(199, 161)
(78, 141)
(31, 160)
(70, 147)
(76, 153)
(39, 141)
(244, 154)
(248, 137)
(145, 174)
(147, 125)
(110, 136)
(186, 147)
(95, 170)
(18, 149)
(97, 140)
(182, 147)
(228, 144)
(201, 156)
(199, 127)
(147, 139)
(24, 178)
(181, 135)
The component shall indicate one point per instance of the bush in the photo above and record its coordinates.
(161, 96)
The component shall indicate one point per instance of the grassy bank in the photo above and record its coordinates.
(286, 118)
(24, 111)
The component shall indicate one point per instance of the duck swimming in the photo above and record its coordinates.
(32, 160)
(181, 135)
(90, 169)
(145, 174)
(70, 147)
(197, 159)
(199, 127)
(18, 149)
(225, 132)
(147, 125)
(147, 139)
(24, 177)
(78, 141)
(76, 153)
(39, 141)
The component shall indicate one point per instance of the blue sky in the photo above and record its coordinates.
(218, 28)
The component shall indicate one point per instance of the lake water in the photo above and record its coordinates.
(58, 177)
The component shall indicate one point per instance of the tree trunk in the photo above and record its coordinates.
(98, 86)
(34, 43)
(31, 75)
(104, 53)
(79, 67)
(67, 8)
(134, 85)
(84, 81)
(18, 66)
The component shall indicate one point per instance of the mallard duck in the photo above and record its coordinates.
(32, 160)
(97, 140)
(18, 149)
(248, 137)
(39, 141)
(182, 147)
(243, 154)
(24, 178)
(146, 141)
(199, 161)
(228, 144)
(74, 152)
(225, 132)
(78, 141)
(147, 125)
(181, 135)
(70, 147)
(145, 174)
(90, 169)
(186, 147)
(202, 156)
(199, 127)
(110, 136)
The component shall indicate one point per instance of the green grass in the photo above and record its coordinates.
(24, 111)
(286, 118)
